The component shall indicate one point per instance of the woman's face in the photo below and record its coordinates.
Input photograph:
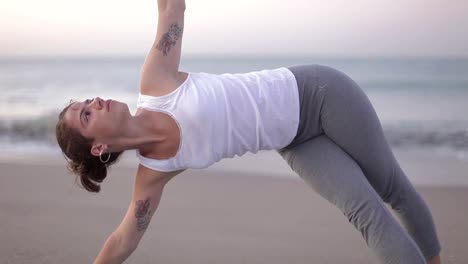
(97, 118)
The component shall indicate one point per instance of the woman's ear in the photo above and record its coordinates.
(97, 148)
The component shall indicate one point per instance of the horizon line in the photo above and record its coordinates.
(242, 56)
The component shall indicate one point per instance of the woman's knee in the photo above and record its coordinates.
(331, 172)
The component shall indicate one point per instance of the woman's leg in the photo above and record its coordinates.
(333, 174)
(350, 121)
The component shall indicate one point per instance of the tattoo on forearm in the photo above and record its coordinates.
(169, 38)
(142, 214)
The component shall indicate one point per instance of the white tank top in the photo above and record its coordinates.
(222, 115)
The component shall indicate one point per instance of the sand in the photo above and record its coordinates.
(205, 216)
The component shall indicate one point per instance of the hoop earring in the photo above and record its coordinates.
(104, 161)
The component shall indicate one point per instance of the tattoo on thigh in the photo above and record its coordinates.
(169, 38)
(142, 214)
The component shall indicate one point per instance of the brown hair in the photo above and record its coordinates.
(76, 149)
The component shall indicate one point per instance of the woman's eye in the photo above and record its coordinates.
(86, 116)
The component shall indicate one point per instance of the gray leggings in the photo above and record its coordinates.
(341, 152)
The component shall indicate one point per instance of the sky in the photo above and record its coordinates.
(264, 27)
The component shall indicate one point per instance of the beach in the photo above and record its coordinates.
(215, 215)
(249, 209)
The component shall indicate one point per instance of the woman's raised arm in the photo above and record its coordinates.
(163, 59)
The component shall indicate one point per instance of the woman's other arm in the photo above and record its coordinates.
(147, 193)
(113, 252)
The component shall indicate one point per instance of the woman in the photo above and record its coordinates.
(317, 118)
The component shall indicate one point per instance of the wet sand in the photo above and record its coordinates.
(205, 216)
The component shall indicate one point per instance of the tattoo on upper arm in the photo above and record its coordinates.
(169, 38)
(142, 214)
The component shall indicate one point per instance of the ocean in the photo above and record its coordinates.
(421, 102)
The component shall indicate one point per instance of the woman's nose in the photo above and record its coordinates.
(98, 102)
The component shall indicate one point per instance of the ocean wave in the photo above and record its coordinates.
(41, 129)
(451, 134)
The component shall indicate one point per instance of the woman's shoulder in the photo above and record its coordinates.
(150, 176)
(163, 85)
